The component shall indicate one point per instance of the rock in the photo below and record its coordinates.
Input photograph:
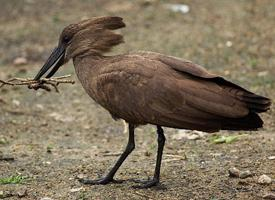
(245, 174)
(264, 180)
(16, 102)
(46, 198)
(189, 135)
(76, 189)
(263, 73)
(20, 61)
(39, 106)
(182, 8)
(271, 158)
(80, 176)
(228, 43)
(22, 193)
(234, 172)
(270, 196)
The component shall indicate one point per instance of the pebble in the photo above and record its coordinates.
(76, 189)
(270, 196)
(46, 198)
(245, 174)
(16, 102)
(182, 8)
(39, 106)
(80, 176)
(234, 172)
(22, 193)
(189, 135)
(20, 61)
(264, 180)
(271, 158)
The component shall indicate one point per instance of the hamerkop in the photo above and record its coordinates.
(151, 88)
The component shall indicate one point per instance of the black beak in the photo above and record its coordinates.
(55, 60)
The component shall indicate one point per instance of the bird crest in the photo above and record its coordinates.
(92, 36)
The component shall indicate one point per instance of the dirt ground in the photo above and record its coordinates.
(55, 137)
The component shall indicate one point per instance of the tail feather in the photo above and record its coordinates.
(250, 122)
(256, 103)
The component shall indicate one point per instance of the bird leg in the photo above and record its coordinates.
(155, 180)
(109, 177)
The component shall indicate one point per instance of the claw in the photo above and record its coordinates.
(101, 181)
(146, 183)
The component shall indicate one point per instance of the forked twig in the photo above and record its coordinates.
(43, 83)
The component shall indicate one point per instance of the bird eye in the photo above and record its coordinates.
(66, 39)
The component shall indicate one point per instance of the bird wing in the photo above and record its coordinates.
(146, 89)
(254, 102)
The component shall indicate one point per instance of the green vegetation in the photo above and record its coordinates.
(18, 179)
(218, 139)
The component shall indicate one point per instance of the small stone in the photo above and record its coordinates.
(20, 61)
(245, 174)
(47, 163)
(271, 158)
(16, 102)
(188, 135)
(263, 73)
(228, 43)
(264, 180)
(270, 196)
(76, 189)
(39, 106)
(234, 172)
(182, 8)
(80, 176)
(46, 198)
(22, 193)
(86, 126)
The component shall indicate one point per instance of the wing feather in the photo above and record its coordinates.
(153, 88)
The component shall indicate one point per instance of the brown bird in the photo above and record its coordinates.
(151, 88)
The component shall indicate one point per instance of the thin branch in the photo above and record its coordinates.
(43, 83)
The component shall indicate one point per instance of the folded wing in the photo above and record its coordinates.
(167, 91)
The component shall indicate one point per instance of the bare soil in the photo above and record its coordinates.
(55, 137)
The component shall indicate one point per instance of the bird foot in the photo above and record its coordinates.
(101, 181)
(146, 183)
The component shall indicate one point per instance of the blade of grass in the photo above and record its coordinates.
(18, 179)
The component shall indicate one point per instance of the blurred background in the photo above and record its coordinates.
(46, 139)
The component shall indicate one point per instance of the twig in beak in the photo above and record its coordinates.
(43, 83)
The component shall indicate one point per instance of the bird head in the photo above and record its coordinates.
(89, 37)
